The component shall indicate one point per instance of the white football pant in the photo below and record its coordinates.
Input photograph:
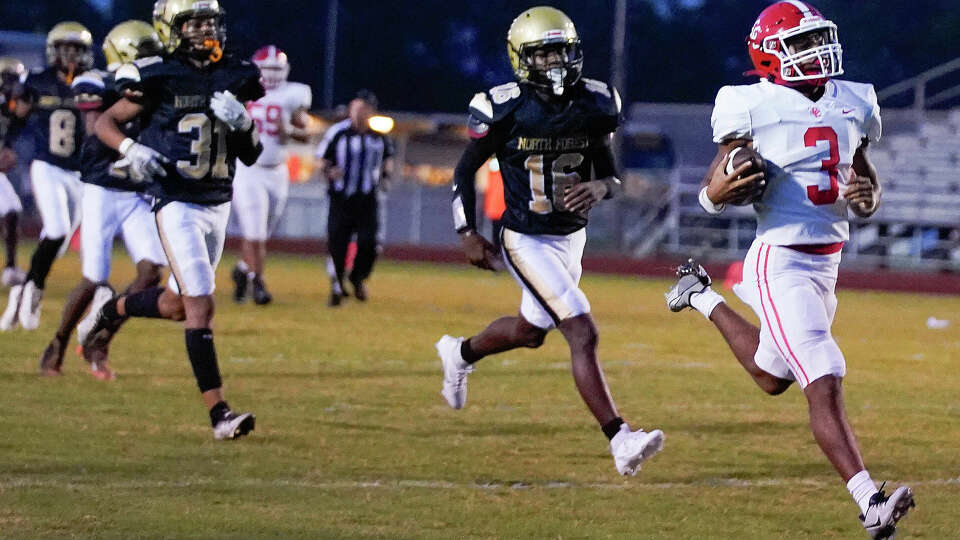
(548, 269)
(107, 212)
(259, 197)
(792, 293)
(9, 201)
(192, 236)
(57, 195)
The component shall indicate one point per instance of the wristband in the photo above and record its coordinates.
(708, 205)
(125, 146)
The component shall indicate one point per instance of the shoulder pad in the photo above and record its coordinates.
(864, 97)
(88, 90)
(606, 96)
(301, 95)
(493, 105)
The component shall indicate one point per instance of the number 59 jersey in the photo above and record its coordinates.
(272, 114)
(809, 148)
(542, 149)
(178, 123)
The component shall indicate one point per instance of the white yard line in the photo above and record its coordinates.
(28, 483)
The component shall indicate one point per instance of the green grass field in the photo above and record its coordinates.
(354, 441)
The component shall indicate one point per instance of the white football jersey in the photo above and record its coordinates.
(272, 114)
(809, 148)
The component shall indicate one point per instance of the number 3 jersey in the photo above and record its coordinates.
(55, 124)
(177, 122)
(543, 148)
(809, 148)
(272, 114)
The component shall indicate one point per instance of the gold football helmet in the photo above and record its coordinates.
(12, 68)
(128, 41)
(168, 19)
(74, 33)
(545, 29)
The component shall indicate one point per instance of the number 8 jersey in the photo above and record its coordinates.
(55, 125)
(178, 123)
(542, 148)
(809, 148)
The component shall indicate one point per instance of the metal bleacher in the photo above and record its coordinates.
(918, 159)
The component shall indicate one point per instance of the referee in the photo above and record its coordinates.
(354, 159)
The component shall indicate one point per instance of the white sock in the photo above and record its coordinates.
(706, 301)
(862, 488)
(242, 266)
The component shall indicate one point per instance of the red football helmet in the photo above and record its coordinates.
(273, 64)
(792, 43)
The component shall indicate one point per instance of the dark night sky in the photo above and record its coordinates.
(432, 55)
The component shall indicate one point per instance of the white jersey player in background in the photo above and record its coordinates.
(260, 191)
(813, 132)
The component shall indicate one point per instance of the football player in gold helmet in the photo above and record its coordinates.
(194, 129)
(112, 205)
(12, 75)
(550, 131)
(55, 127)
(195, 28)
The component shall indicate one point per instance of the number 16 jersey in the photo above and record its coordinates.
(809, 148)
(178, 123)
(541, 147)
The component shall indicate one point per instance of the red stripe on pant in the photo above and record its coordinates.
(796, 363)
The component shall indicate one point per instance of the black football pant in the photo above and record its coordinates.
(349, 216)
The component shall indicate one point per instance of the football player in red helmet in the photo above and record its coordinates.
(260, 191)
(813, 131)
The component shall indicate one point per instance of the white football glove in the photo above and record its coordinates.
(230, 111)
(144, 162)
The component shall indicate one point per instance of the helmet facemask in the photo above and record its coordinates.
(201, 35)
(554, 65)
(809, 53)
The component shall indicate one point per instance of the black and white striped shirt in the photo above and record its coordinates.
(360, 155)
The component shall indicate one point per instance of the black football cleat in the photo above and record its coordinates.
(359, 290)
(261, 296)
(240, 285)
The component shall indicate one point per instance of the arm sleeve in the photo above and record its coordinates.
(464, 177)
(325, 149)
(246, 144)
(731, 117)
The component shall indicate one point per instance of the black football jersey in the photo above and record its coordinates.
(178, 123)
(55, 124)
(96, 91)
(544, 148)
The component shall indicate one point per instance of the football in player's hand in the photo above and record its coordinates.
(752, 192)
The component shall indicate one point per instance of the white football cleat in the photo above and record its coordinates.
(9, 318)
(103, 295)
(692, 279)
(631, 448)
(455, 371)
(881, 517)
(12, 276)
(233, 426)
(29, 312)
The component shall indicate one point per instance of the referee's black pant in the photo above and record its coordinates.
(348, 216)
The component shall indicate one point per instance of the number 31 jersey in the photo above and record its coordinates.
(178, 123)
(272, 114)
(542, 148)
(809, 148)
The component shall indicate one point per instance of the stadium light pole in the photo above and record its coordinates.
(619, 76)
(330, 54)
